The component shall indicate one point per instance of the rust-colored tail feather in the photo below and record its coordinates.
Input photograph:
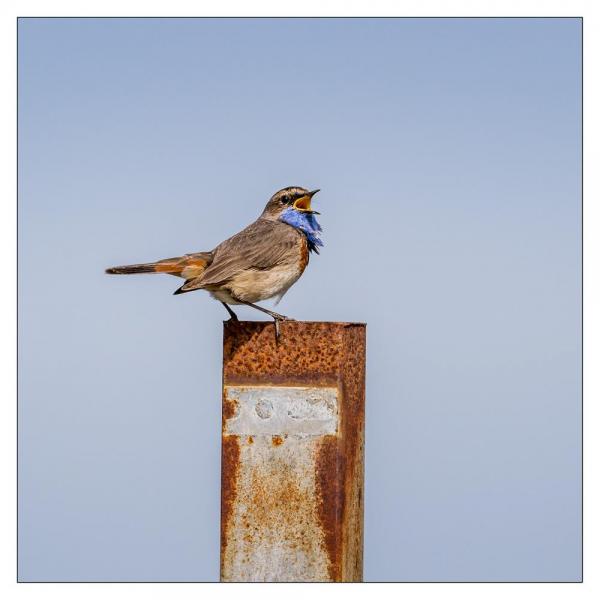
(188, 266)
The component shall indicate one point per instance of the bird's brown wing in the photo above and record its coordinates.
(262, 245)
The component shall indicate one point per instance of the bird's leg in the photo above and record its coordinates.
(275, 316)
(272, 314)
(231, 313)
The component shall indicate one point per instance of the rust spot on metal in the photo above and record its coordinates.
(277, 440)
(230, 464)
(330, 500)
(230, 408)
(250, 439)
(353, 425)
(306, 352)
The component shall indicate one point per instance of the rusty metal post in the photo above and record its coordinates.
(292, 452)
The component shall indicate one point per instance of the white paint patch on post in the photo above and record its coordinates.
(276, 534)
(297, 411)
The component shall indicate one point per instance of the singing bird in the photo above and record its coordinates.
(260, 262)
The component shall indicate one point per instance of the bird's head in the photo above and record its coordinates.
(293, 197)
(292, 205)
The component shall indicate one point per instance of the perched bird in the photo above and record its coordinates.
(262, 261)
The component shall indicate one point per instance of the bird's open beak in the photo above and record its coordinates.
(303, 203)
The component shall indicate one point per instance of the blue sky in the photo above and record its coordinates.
(448, 152)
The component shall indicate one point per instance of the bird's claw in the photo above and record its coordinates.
(276, 320)
(276, 330)
(279, 317)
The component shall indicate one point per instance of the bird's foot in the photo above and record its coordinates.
(276, 320)
(275, 316)
(279, 317)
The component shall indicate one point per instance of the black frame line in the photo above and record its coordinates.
(531, 17)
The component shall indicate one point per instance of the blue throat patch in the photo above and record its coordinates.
(307, 224)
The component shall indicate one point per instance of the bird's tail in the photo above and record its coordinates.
(188, 266)
(131, 269)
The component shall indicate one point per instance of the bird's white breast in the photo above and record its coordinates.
(255, 285)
